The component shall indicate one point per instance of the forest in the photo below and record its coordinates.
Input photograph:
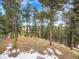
(39, 25)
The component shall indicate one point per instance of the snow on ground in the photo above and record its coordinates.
(32, 54)
(29, 55)
(58, 52)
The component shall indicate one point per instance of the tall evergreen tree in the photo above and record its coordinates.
(12, 8)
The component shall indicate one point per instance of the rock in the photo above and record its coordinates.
(9, 46)
(13, 54)
(32, 51)
(40, 57)
(51, 57)
(50, 51)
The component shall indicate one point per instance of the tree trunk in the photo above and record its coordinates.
(12, 30)
(50, 33)
(35, 28)
(16, 29)
(42, 29)
(72, 41)
(26, 28)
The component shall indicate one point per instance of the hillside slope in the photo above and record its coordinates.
(27, 43)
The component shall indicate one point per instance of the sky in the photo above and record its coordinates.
(36, 4)
(33, 3)
(67, 7)
(1, 8)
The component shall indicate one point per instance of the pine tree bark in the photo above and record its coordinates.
(50, 33)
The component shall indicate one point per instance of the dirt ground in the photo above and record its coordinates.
(27, 43)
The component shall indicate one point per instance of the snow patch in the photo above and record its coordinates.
(14, 51)
(32, 54)
(58, 52)
(45, 52)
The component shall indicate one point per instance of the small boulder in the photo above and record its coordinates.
(50, 51)
(40, 57)
(32, 51)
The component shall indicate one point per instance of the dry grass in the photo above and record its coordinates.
(32, 43)
(66, 52)
(3, 44)
(26, 43)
